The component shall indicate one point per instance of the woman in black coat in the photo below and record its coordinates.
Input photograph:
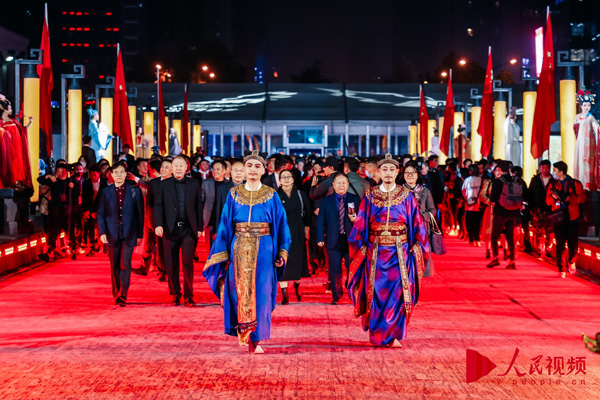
(297, 209)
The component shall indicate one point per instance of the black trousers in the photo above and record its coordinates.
(336, 255)
(76, 229)
(181, 239)
(506, 224)
(89, 231)
(151, 245)
(473, 224)
(57, 224)
(567, 233)
(120, 255)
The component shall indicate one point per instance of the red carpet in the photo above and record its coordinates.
(61, 337)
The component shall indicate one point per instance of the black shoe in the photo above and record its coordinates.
(548, 255)
(196, 258)
(493, 263)
(143, 271)
(73, 256)
(334, 302)
(511, 266)
(162, 278)
(91, 253)
(297, 290)
(121, 302)
(189, 303)
(505, 255)
(285, 299)
(44, 257)
(176, 301)
(487, 255)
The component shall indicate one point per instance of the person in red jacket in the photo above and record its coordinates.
(564, 196)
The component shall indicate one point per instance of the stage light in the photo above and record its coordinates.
(513, 61)
(9, 58)
(204, 68)
(444, 74)
(212, 75)
(462, 61)
(158, 66)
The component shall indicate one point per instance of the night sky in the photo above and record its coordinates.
(354, 41)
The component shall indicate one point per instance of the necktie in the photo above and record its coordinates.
(342, 214)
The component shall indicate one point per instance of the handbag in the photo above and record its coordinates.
(436, 239)
(559, 217)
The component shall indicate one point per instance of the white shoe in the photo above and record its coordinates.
(396, 344)
(572, 269)
(562, 275)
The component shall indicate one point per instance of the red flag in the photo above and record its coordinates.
(486, 121)
(44, 71)
(162, 124)
(423, 123)
(448, 118)
(121, 122)
(544, 114)
(185, 132)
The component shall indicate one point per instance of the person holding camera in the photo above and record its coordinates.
(565, 196)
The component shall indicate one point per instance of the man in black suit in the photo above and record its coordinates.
(88, 152)
(212, 203)
(121, 225)
(90, 199)
(334, 224)
(178, 220)
(273, 179)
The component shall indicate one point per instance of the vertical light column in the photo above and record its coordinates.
(31, 108)
(106, 117)
(74, 122)
(412, 139)
(475, 137)
(177, 127)
(431, 125)
(529, 165)
(443, 157)
(197, 137)
(165, 145)
(459, 118)
(568, 110)
(148, 123)
(499, 135)
(132, 122)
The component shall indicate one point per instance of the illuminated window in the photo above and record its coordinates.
(305, 135)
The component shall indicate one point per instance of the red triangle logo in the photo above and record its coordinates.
(478, 366)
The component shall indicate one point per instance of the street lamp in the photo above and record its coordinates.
(212, 75)
(462, 61)
(204, 68)
(513, 61)
(444, 74)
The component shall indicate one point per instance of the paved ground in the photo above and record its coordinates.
(61, 337)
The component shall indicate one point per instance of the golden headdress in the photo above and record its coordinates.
(388, 160)
(255, 156)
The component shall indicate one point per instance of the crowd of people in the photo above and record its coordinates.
(327, 211)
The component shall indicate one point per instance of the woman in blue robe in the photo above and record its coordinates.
(248, 256)
(390, 243)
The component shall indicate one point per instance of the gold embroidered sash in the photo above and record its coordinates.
(245, 252)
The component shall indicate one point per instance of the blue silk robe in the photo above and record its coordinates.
(376, 273)
(241, 266)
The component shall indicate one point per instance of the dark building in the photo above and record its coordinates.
(88, 33)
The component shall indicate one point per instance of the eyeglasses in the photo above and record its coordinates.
(285, 178)
(410, 173)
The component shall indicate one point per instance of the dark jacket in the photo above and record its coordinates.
(269, 180)
(165, 207)
(537, 194)
(435, 184)
(209, 197)
(153, 189)
(133, 214)
(357, 185)
(317, 193)
(328, 221)
(90, 154)
(87, 197)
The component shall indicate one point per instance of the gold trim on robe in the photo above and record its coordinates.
(395, 197)
(250, 198)
(405, 281)
(216, 259)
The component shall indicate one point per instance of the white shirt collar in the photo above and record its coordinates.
(384, 190)
(250, 190)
